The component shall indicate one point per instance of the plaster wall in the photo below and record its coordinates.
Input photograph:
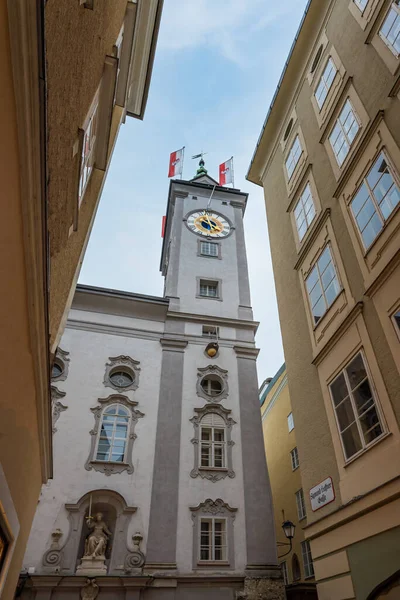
(285, 481)
(89, 352)
(226, 270)
(19, 445)
(314, 440)
(75, 66)
(193, 491)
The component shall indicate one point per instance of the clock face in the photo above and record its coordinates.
(208, 224)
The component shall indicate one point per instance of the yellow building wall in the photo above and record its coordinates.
(285, 482)
(19, 444)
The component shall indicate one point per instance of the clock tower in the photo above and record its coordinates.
(160, 486)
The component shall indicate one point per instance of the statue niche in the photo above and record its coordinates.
(95, 547)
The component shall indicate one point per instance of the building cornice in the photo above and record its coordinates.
(275, 397)
(173, 344)
(249, 353)
(27, 51)
(211, 320)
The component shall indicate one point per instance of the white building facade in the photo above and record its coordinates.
(157, 427)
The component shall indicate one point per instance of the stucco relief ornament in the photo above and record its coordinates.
(58, 407)
(52, 558)
(135, 559)
(212, 371)
(90, 591)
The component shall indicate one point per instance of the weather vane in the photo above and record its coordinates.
(200, 155)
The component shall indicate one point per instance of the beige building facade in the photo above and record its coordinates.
(70, 73)
(283, 463)
(328, 158)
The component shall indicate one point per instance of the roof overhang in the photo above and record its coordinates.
(147, 25)
(291, 77)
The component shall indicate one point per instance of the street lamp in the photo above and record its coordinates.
(288, 529)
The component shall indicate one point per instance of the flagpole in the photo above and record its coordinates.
(183, 158)
(233, 174)
(212, 193)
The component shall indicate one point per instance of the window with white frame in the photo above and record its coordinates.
(87, 154)
(213, 546)
(209, 289)
(375, 200)
(307, 559)
(344, 132)
(322, 284)
(113, 434)
(290, 422)
(212, 385)
(209, 249)
(304, 212)
(361, 4)
(210, 331)
(294, 455)
(390, 30)
(301, 507)
(212, 441)
(357, 415)
(325, 82)
(285, 572)
(293, 157)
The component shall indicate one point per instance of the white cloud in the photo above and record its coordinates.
(222, 24)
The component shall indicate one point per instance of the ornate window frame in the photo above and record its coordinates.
(126, 363)
(109, 467)
(62, 360)
(212, 473)
(222, 374)
(213, 509)
(57, 406)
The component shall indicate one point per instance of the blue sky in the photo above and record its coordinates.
(216, 69)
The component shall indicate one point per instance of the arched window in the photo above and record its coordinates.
(296, 568)
(212, 441)
(113, 435)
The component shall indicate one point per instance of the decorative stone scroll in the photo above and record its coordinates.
(58, 407)
(135, 560)
(52, 557)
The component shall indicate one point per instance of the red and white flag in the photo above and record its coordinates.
(226, 172)
(176, 163)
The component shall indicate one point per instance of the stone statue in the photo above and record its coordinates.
(96, 541)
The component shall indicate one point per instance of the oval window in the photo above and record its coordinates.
(212, 385)
(121, 378)
(57, 370)
(288, 130)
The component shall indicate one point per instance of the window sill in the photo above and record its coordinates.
(109, 462)
(218, 469)
(369, 447)
(208, 298)
(213, 563)
(309, 577)
(295, 469)
(303, 518)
